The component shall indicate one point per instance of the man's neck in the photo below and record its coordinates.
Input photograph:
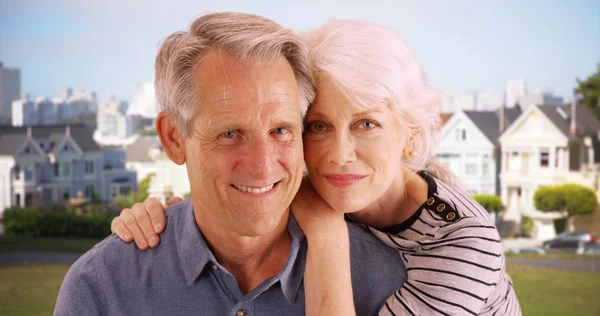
(251, 260)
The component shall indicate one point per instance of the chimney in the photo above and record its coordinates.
(576, 100)
(68, 130)
(28, 131)
(501, 118)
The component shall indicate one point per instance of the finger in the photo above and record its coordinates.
(118, 227)
(175, 200)
(144, 223)
(156, 211)
(131, 223)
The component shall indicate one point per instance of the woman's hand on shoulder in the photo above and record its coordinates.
(142, 222)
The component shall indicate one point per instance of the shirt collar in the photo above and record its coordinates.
(193, 251)
(195, 254)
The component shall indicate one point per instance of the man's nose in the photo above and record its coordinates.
(261, 157)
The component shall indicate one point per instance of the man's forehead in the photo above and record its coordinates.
(222, 78)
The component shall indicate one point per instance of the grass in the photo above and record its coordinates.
(555, 292)
(20, 243)
(32, 290)
(554, 256)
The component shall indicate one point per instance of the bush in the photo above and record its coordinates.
(491, 203)
(63, 223)
(526, 225)
(559, 225)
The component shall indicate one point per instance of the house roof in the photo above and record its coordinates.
(10, 143)
(444, 117)
(560, 116)
(139, 150)
(80, 133)
(489, 121)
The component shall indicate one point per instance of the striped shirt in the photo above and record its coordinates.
(453, 256)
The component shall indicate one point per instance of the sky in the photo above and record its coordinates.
(464, 45)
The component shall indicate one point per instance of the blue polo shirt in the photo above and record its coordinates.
(182, 276)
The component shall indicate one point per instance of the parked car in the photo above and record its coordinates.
(569, 240)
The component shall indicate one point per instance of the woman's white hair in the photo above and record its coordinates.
(250, 38)
(372, 66)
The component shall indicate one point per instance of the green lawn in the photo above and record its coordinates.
(32, 290)
(554, 292)
(21, 243)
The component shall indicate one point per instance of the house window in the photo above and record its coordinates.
(66, 193)
(18, 199)
(27, 150)
(56, 169)
(89, 167)
(544, 158)
(66, 169)
(28, 173)
(471, 168)
(124, 190)
(17, 172)
(66, 148)
(485, 168)
(89, 190)
(114, 190)
(461, 134)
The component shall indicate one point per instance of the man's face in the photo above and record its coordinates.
(244, 151)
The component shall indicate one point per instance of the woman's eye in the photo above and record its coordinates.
(316, 127)
(368, 124)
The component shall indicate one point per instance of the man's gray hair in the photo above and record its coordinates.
(248, 37)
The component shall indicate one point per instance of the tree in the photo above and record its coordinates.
(491, 203)
(590, 91)
(574, 199)
(125, 201)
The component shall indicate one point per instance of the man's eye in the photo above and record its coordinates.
(229, 134)
(280, 130)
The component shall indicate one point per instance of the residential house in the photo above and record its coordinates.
(547, 145)
(141, 155)
(46, 164)
(170, 179)
(469, 147)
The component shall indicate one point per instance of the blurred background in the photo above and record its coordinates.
(520, 87)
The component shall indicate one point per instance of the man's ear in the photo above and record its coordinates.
(170, 138)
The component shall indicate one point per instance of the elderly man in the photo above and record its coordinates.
(233, 89)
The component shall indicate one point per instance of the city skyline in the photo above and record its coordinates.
(463, 45)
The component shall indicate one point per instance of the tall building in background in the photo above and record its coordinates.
(537, 97)
(491, 99)
(515, 88)
(10, 90)
(83, 103)
(457, 101)
(144, 101)
(113, 121)
(46, 111)
(23, 112)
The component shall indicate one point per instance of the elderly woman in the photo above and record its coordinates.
(368, 147)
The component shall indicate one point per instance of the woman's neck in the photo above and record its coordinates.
(399, 203)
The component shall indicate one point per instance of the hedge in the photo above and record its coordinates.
(65, 223)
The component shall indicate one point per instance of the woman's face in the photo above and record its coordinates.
(353, 155)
